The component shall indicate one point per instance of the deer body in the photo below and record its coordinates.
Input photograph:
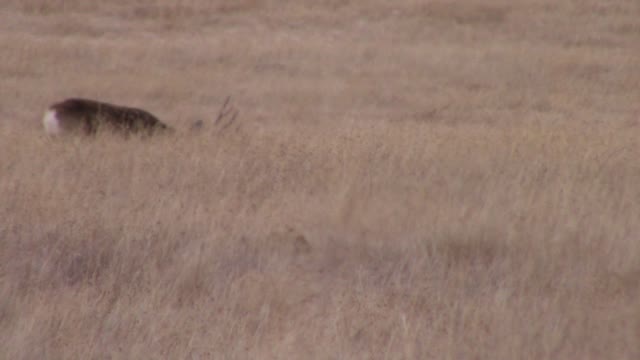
(88, 116)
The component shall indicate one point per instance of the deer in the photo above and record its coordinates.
(88, 117)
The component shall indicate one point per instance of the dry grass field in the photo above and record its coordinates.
(406, 179)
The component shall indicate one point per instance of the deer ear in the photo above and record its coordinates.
(197, 125)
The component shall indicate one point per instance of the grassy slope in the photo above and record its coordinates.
(416, 180)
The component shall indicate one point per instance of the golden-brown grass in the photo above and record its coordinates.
(409, 179)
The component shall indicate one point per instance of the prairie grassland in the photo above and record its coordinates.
(407, 179)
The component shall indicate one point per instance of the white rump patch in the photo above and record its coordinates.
(51, 123)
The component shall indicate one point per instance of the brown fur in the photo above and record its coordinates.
(89, 116)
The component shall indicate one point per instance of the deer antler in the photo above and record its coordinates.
(228, 112)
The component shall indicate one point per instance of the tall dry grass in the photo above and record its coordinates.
(447, 180)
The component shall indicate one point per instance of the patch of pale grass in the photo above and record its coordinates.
(350, 242)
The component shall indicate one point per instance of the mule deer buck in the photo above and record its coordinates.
(85, 116)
